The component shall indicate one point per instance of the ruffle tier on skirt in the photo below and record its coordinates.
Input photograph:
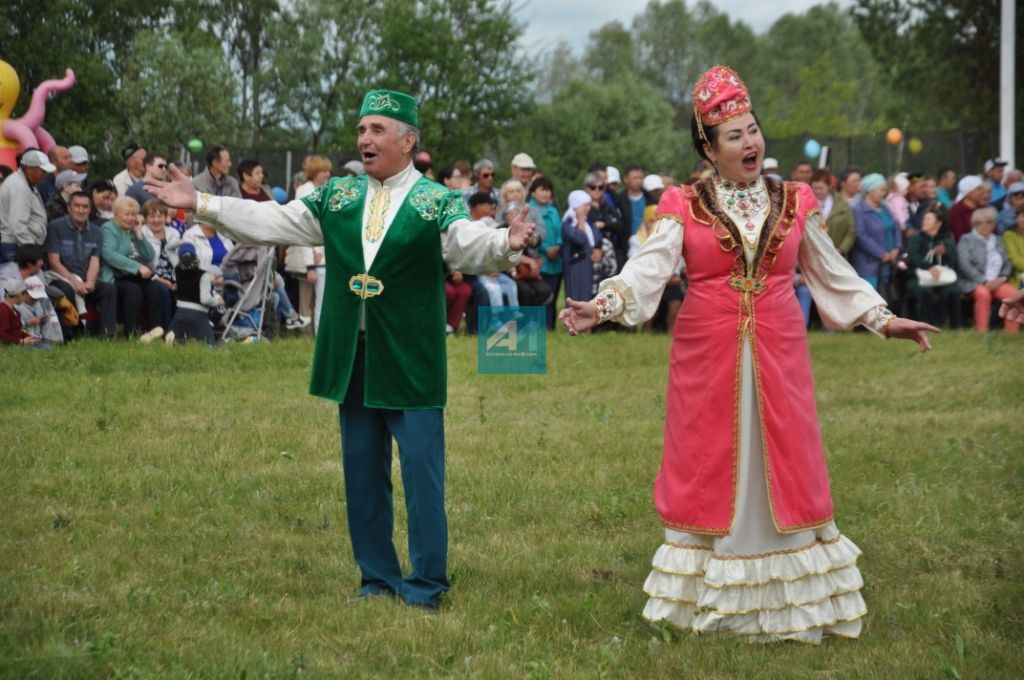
(801, 593)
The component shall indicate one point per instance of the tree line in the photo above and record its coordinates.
(264, 74)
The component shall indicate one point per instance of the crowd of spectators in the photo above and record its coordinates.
(82, 254)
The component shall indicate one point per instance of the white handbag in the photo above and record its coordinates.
(947, 275)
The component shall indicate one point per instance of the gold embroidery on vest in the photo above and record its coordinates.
(378, 211)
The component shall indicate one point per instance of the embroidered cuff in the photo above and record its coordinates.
(203, 206)
(608, 304)
(878, 319)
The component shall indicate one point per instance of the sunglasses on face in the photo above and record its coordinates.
(487, 174)
(595, 187)
(161, 166)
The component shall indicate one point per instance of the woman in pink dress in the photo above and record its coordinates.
(750, 543)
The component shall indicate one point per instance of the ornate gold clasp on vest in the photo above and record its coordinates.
(365, 286)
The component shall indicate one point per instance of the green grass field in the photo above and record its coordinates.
(178, 512)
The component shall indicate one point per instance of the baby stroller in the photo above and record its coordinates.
(248, 290)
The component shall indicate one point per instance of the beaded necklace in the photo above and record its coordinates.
(746, 204)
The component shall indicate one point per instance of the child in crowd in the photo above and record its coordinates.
(196, 296)
(38, 317)
(11, 331)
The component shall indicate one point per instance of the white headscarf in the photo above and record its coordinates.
(576, 199)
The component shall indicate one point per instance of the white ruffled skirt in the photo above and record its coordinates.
(756, 581)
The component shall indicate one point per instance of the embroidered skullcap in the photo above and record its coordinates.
(871, 182)
(719, 96)
(397, 105)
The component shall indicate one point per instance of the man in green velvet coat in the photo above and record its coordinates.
(389, 237)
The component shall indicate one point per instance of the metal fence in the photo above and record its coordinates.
(961, 150)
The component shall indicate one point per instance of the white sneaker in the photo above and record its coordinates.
(169, 338)
(297, 323)
(152, 335)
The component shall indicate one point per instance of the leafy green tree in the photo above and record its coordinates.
(817, 75)
(555, 69)
(460, 58)
(942, 57)
(157, 69)
(619, 122)
(610, 53)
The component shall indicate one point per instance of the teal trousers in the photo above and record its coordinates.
(366, 436)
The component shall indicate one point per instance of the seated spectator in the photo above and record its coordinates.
(457, 294)
(1014, 200)
(972, 195)
(155, 216)
(28, 264)
(1013, 239)
(38, 317)
(79, 159)
(196, 297)
(211, 247)
(67, 183)
(11, 330)
(984, 268)
(216, 179)
(102, 194)
(541, 197)
(879, 241)
(134, 169)
(124, 252)
(72, 247)
(927, 250)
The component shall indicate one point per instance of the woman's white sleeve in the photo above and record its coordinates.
(843, 298)
(632, 297)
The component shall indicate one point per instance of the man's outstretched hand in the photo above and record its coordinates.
(520, 230)
(177, 192)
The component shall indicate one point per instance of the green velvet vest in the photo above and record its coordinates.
(405, 322)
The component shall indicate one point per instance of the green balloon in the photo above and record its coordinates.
(195, 145)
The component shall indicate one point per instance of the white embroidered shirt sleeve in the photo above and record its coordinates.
(632, 297)
(476, 247)
(266, 223)
(843, 298)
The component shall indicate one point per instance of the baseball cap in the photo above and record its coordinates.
(1015, 188)
(522, 160)
(67, 177)
(35, 288)
(653, 183)
(128, 150)
(770, 164)
(37, 159)
(966, 185)
(78, 154)
(613, 175)
(994, 163)
(14, 287)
